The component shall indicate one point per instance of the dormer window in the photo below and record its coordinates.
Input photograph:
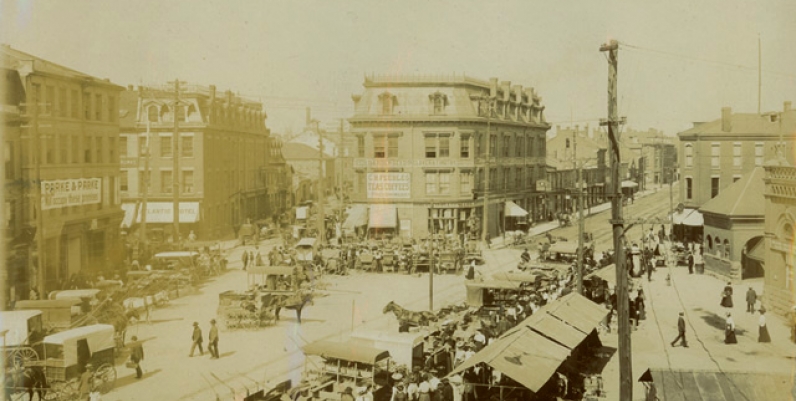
(388, 102)
(438, 102)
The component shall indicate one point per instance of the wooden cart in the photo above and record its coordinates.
(342, 365)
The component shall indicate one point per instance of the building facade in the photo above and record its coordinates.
(63, 162)
(717, 153)
(431, 151)
(779, 290)
(231, 171)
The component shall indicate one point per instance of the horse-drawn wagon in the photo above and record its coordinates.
(75, 362)
(22, 331)
(56, 315)
(491, 295)
(345, 365)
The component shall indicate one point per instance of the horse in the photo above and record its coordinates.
(30, 378)
(298, 306)
(410, 318)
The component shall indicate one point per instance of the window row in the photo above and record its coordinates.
(441, 145)
(441, 182)
(166, 180)
(59, 101)
(715, 155)
(71, 149)
(718, 248)
(164, 146)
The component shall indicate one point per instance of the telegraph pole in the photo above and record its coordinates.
(431, 257)
(623, 320)
(175, 151)
(321, 213)
(580, 208)
(41, 274)
(488, 142)
(145, 193)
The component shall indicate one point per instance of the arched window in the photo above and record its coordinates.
(726, 249)
(719, 251)
(709, 242)
(152, 113)
(165, 113)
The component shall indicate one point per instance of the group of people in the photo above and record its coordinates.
(197, 340)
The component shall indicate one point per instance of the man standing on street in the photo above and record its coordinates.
(690, 262)
(751, 299)
(136, 356)
(245, 259)
(681, 331)
(196, 337)
(212, 345)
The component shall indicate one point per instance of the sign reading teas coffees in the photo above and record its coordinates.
(72, 192)
(389, 185)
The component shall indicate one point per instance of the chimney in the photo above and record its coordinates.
(307, 117)
(726, 119)
(493, 87)
(786, 107)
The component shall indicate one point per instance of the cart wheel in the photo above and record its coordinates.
(104, 378)
(62, 391)
(21, 356)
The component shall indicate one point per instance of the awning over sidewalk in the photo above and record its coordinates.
(513, 210)
(383, 216)
(357, 217)
(607, 273)
(689, 217)
(693, 385)
(130, 214)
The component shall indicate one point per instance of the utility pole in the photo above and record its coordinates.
(321, 195)
(623, 320)
(146, 179)
(580, 208)
(175, 151)
(41, 274)
(488, 143)
(431, 257)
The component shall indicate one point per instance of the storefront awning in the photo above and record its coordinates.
(130, 210)
(163, 212)
(383, 216)
(514, 210)
(357, 217)
(689, 217)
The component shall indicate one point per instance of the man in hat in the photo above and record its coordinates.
(136, 356)
(347, 395)
(690, 262)
(212, 345)
(445, 390)
(681, 331)
(196, 337)
(399, 394)
(751, 299)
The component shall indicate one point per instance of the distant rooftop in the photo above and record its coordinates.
(382, 79)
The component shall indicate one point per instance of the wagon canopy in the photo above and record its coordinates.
(346, 352)
(99, 337)
(516, 276)
(75, 294)
(17, 325)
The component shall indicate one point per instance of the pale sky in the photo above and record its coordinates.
(682, 59)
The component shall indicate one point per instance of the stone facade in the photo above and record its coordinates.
(779, 291)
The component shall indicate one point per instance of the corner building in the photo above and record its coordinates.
(424, 144)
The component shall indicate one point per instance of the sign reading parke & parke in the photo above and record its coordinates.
(72, 192)
(389, 185)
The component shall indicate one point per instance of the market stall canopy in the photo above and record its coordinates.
(607, 273)
(513, 210)
(629, 184)
(566, 247)
(475, 290)
(524, 355)
(357, 217)
(306, 242)
(689, 217)
(353, 352)
(515, 276)
(693, 385)
(383, 216)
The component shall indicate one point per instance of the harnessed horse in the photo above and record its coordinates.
(30, 378)
(407, 317)
(298, 306)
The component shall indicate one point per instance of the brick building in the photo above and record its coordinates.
(231, 169)
(62, 133)
(421, 154)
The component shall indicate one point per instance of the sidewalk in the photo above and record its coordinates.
(543, 227)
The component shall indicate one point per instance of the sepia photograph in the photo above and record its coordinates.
(443, 200)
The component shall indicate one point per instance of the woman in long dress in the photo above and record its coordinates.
(726, 296)
(763, 336)
(729, 330)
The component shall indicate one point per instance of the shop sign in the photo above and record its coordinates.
(56, 194)
(389, 185)
(163, 212)
(542, 186)
(127, 161)
(398, 163)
